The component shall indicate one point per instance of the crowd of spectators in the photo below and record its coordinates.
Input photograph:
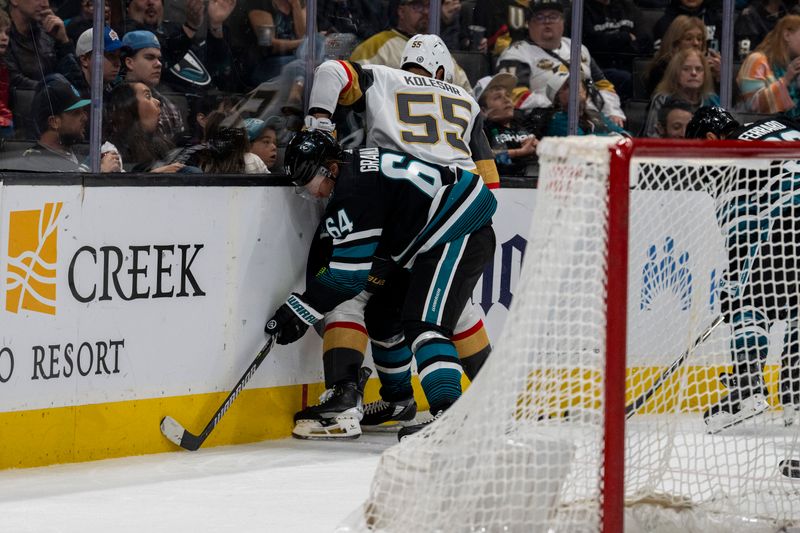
(219, 85)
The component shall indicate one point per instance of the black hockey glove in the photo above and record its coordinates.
(291, 320)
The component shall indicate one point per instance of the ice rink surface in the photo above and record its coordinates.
(280, 486)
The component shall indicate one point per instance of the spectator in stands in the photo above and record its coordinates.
(361, 18)
(203, 107)
(546, 50)
(756, 20)
(6, 117)
(111, 61)
(287, 19)
(386, 47)
(688, 78)
(61, 122)
(553, 120)
(767, 79)
(673, 117)
(504, 20)
(684, 32)
(228, 148)
(85, 19)
(132, 125)
(453, 26)
(38, 44)
(611, 30)
(263, 136)
(508, 129)
(185, 64)
(709, 11)
(142, 60)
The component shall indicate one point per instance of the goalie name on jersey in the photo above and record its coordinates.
(761, 130)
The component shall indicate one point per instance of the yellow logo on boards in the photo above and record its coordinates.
(32, 259)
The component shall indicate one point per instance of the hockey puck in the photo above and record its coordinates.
(790, 468)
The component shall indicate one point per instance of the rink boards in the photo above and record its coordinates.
(126, 301)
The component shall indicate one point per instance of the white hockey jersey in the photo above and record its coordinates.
(533, 66)
(427, 118)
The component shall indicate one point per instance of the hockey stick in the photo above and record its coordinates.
(178, 434)
(633, 407)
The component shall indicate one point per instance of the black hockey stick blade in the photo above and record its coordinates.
(790, 468)
(633, 407)
(176, 433)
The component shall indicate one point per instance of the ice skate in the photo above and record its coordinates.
(741, 403)
(338, 414)
(389, 416)
(791, 415)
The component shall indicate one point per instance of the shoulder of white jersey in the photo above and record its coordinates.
(518, 51)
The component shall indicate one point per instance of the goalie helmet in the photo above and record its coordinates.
(711, 119)
(430, 53)
(307, 153)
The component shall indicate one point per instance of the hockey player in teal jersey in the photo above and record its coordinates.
(759, 213)
(429, 223)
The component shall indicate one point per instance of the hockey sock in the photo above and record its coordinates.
(749, 344)
(473, 348)
(343, 347)
(439, 369)
(393, 362)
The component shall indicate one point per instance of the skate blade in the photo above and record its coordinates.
(342, 428)
(791, 416)
(750, 409)
(396, 425)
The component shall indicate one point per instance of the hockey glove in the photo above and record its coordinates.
(323, 124)
(291, 320)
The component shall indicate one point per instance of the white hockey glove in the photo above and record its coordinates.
(323, 124)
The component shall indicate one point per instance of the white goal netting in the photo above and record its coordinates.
(523, 450)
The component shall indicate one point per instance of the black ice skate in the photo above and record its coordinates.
(337, 415)
(415, 428)
(744, 401)
(382, 415)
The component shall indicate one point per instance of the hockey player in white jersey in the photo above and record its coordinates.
(414, 110)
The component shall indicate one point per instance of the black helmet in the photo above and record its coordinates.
(711, 119)
(308, 151)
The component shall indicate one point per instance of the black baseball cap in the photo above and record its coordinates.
(54, 96)
(543, 5)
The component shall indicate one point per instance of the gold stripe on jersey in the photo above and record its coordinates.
(604, 85)
(488, 171)
(352, 91)
(518, 94)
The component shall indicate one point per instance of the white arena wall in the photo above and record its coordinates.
(122, 304)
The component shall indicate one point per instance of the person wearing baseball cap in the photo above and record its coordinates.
(547, 49)
(509, 130)
(263, 136)
(141, 56)
(60, 118)
(112, 46)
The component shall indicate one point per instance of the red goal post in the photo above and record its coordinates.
(621, 278)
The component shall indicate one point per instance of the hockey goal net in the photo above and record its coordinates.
(625, 267)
